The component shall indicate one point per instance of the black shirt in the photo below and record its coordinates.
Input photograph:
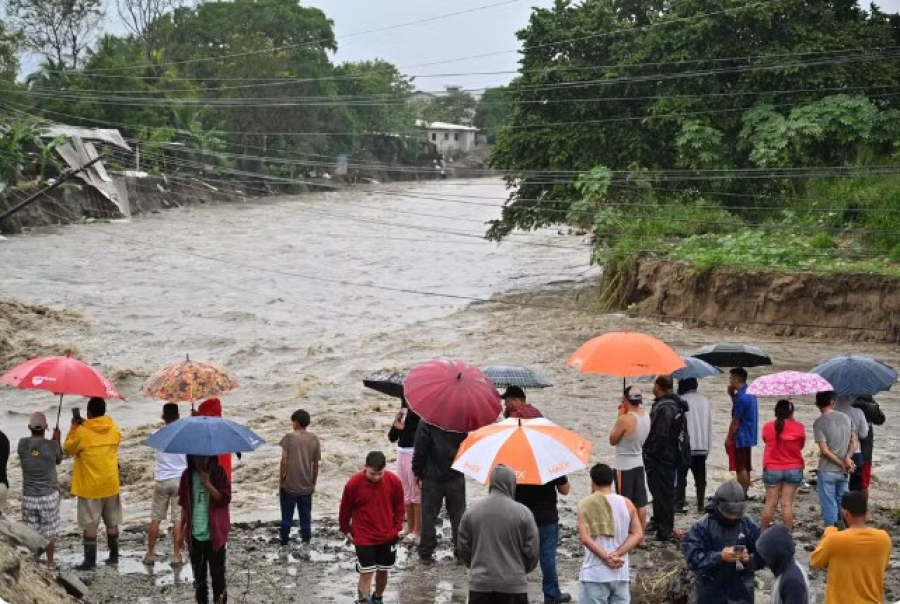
(541, 500)
(4, 457)
(405, 437)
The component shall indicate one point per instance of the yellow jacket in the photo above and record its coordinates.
(95, 446)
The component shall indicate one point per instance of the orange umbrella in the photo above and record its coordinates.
(625, 354)
(537, 450)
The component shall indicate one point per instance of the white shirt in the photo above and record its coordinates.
(594, 570)
(169, 465)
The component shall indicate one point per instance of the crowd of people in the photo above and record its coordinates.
(514, 529)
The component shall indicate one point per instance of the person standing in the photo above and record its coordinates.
(743, 430)
(212, 407)
(301, 454)
(40, 485)
(720, 548)
(371, 517)
(4, 461)
(499, 543)
(169, 468)
(783, 463)
(433, 455)
(699, 423)
(875, 417)
(94, 443)
(403, 432)
(609, 527)
(204, 495)
(776, 549)
(662, 453)
(855, 558)
(541, 501)
(628, 436)
(860, 428)
(516, 406)
(833, 432)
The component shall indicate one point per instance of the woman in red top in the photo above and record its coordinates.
(782, 463)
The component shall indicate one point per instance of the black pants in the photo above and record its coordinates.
(434, 494)
(661, 482)
(495, 597)
(698, 469)
(203, 556)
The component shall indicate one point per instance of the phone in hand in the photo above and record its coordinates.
(76, 415)
(739, 549)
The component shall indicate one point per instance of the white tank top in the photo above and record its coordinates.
(629, 451)
(593, 570)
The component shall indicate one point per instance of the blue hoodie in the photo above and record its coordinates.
(776, 548)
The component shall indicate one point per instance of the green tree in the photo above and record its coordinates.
(493, 111)
(61, 30)
(455, 107)
(10, 42)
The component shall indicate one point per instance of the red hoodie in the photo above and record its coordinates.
(372, 512)
(212, 407)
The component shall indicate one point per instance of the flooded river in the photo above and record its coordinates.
(302, 297)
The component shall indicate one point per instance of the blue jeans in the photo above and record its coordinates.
(832, 484)
(613, 592)
(549, 539)
(303, 504)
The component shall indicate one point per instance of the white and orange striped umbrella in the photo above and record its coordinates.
(536, 449)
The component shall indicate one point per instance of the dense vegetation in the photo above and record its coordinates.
(246, 86)
(752, 134)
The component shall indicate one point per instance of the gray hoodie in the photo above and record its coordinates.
(498, 539)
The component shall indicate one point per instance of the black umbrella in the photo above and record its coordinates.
(733, 354)
(386, 382)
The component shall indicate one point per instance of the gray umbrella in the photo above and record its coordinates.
(856, 374)
(506, 375)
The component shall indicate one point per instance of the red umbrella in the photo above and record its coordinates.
(60, 375)
(452, 395)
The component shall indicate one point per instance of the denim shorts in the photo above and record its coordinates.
(773, 478)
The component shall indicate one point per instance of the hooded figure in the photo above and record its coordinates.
(725, 525)
(498, 539)
(776, 549)
(212, 407)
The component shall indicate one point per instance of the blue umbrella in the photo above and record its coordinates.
(200, 435)
(857, 374)
(696, 368)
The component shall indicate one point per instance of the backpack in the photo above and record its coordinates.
(683, 452)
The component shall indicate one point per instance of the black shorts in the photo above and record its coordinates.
(370, 558)
(632, 485)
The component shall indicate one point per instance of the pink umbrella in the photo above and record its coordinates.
(452, 395)
(788, 383)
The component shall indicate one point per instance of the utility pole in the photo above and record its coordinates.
(62, 178)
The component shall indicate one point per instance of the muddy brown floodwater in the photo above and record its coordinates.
(276, 291)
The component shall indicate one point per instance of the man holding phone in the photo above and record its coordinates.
(721, 549)
(94, 443)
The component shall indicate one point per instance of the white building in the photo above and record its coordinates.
(451, 138)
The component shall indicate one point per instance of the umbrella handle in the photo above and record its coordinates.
(59, 411)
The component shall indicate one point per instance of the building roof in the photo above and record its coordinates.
(446, 126)
(109, 136)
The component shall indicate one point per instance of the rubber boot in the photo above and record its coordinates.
(90, 555)
(701, 499)
(113, 542)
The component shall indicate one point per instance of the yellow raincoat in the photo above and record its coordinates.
(95, 446)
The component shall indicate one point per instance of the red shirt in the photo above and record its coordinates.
(786, 452)
(526, 411)
(372, 512)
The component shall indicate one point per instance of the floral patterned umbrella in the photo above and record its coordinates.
(788, 383)
(188, 381)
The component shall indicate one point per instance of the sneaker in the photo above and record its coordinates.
(376, 599)
(560, 600)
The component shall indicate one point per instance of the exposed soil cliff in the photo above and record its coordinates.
(857, 307)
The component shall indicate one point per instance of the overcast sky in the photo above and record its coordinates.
(433, 48)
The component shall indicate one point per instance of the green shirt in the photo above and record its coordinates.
(199, 509)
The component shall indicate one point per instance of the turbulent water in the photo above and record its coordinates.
(254, 285)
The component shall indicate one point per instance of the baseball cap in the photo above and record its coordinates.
(634, 395)
(514, 392)
(731, 501)
(38, 421)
